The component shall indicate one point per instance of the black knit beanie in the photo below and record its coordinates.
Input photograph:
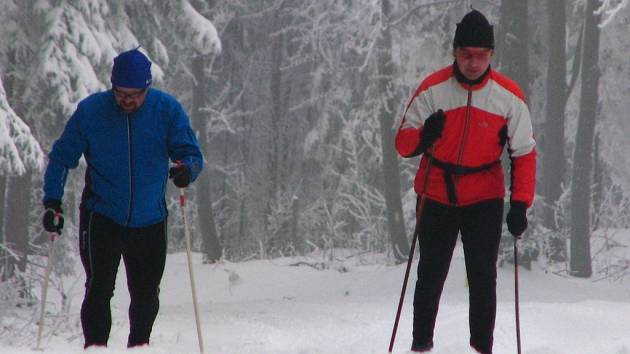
(474, 31)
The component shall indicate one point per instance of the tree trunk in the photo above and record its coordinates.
(3, 255)
(16, 221)
(580, 264)
(242, 227)
(553, 159)
(512, 47)
(513, 39)
(210, 246)
(278, 102)
(295, 232)
(386, 114)
(599, 181)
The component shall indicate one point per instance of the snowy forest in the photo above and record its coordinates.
(296, 103)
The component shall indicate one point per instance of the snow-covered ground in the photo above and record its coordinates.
(261, 307)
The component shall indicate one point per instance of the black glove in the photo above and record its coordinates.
(517, 218)
(180, 175)
(53, 216)
(432, 130)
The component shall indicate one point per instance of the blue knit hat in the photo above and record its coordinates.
(132, 69)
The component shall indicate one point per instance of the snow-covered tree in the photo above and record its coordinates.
(19, 149)
(52, 55)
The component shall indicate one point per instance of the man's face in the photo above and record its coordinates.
(129, 99)
(473, 61)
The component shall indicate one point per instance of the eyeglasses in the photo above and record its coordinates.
(128, 95)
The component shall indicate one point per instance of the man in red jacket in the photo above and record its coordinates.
(460, 119)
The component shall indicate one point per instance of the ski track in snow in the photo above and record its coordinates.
(268, 307)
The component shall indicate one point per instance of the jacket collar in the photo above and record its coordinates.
(471, 84)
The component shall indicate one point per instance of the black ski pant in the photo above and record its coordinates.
(480, 226)
(143, 250)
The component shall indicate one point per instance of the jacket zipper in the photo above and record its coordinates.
(460, 156)
(130, 169)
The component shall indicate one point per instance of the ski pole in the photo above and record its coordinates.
(182, 203)
(404, 286)
(51, 245)
(411, 252)
(518, 320)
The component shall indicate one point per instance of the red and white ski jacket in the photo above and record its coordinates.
(479, 118)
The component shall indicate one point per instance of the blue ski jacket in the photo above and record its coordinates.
(127, 156)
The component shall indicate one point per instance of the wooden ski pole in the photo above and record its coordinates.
(49, 263)
(182, 203)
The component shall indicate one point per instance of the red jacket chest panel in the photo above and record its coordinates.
(471, 137)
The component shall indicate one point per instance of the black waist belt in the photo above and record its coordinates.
(451, 169)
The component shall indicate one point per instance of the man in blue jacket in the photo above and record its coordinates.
(127, 136)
